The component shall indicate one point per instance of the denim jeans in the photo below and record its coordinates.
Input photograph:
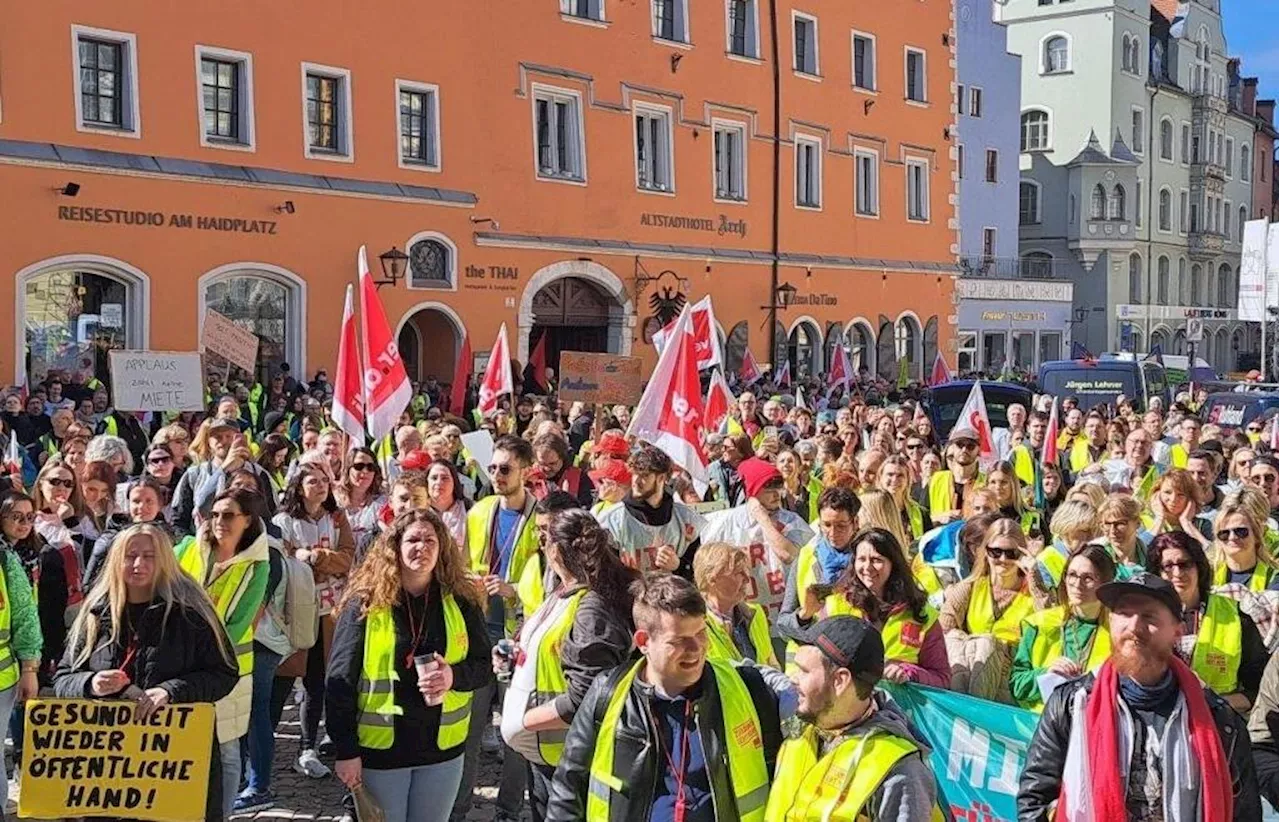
(230, 756)
(259, 743)
(421, 794)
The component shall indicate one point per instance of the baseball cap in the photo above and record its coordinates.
(611, 469)
(1142, 584)
(216, 423)
(613, 444)
(850, 642)
(962, 432)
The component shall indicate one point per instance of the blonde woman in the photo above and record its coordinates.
(409, 649)
(1074, 524)
(1088, 492)
(178, 440)
(1002, 480)
(1240, 554)
(896, 478)
(736, 629)
(879, 510)
(1120, 521)
(149, 634)
(1173, 506)
(982, 615)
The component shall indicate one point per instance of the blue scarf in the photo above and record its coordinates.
(1158, 698)
(832, 560)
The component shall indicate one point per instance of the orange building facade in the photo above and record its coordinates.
(574, 168)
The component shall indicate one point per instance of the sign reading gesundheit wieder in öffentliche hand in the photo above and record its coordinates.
(600, 378)
(157, 381)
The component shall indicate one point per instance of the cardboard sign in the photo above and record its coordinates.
(85, 757)
(223, 337)
(156, 381)
(600, 378)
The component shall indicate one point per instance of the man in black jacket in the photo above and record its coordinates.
(648, 741)
(1151, 715)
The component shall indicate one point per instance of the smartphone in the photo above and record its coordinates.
(771, 431)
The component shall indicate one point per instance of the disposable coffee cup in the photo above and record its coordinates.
(425, 664)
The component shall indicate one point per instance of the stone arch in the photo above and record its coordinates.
(411, 322)
(621, 322)
(295, 288)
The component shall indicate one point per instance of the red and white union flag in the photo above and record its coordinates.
(670, 413)
(497, 375)
(386, 385)
(348, 393)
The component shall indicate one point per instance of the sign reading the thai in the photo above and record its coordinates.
(157, 381)
(87, 757)
(720, 225)
(600, 378)
(221, 336)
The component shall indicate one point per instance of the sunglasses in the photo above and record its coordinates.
(1263, 479)
(225, 516)
(967, 445)
(1238, 533)
(1178, 565)
(362, 466)
(501, 470)
(61, 483)
(915, 446)
(1011, 554)
(158, 460)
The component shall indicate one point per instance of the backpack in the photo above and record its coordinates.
(298, 619)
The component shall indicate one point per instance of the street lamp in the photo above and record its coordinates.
(394, 262)
(781, 299)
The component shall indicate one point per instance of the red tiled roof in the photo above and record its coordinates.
(1167, 8)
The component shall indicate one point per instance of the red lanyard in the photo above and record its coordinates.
(416, 629)
(682, 769)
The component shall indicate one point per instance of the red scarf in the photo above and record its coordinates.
(1104, 759)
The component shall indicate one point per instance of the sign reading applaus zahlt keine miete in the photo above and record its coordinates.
(157, 381)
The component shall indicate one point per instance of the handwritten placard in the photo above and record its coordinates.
(600, 378)
(220, 335)
(157, 381)
(91, 758)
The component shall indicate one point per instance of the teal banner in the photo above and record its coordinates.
(978, 750)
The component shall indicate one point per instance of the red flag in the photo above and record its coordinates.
(13, 457)
(497, 375)
(719, 401)
(841, 370)
(783, 377)
(749, 372)
(1049, 450)
(386, 385)
(461, 376)
(974, 415)
(940, 374)
(706, 340)
(670, 413)
(348, 394)
(538, 362)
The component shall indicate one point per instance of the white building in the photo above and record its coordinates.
(1134, 169)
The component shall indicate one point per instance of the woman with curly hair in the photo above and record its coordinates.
(583, 628)
(409, 649)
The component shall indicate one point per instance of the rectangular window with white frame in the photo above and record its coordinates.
(225, 98)
(808, 151)
(730, 161)
(866, 182)
(1184, 213)
(975, 102)
(915, 79)
(993, 166)
(1229, 158)
(418, 118)
(653, 149)
(1139, 131)
(1184, 144)
(917, 190)
(583, 9)
(864, 61)
(106, 73)
(804, 43)
(671, 20)
(1137, 205)
(742, 24)
(326, 112)
(559, 144)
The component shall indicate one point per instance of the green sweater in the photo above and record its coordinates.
(24, 621)
(1022, 679)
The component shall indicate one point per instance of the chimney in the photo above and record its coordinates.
(1267, 111)
(1249, 95)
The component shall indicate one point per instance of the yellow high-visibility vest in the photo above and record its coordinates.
(902, 634)
(376, 706)
(1048, 645)
(225, 591)
(550, 681)
(981, 617)
(9, 671)
(836, 787)
(524, 570)
(743, 741)
(1218, 648)
(942, 495)
(1258, 581)
(720, 644)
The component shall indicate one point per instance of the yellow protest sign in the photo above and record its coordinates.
(87, 757)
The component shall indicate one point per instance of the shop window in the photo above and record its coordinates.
(993, 350)
(1050, 346)
(268, 304)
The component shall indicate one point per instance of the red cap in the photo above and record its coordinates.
(613, 445)
(756, 474)
(615, 470)
(417, 460)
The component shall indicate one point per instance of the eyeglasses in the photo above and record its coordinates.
(1254, 429)
(1242, 532)
(1263, 479)
(60, 483)
(967, 445)
(1180, 566)
(1083, 580)
(158, 460)
(26, 518)
(363, 466)
(501, 470)
(1011, 554)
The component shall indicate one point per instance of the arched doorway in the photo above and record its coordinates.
(428, 337)
(735, 349)
(862, 349)
(835, 337)
(1160, 337)
(1180, 342)
(886, 359)
(804, 349)
(1221, 352)
(71, 311)
(267, 300)
(1237, 346)
(906, 343)
(580, 305)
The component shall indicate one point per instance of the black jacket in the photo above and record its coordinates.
(180, 655)
(636, 747)
(1041, 779)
